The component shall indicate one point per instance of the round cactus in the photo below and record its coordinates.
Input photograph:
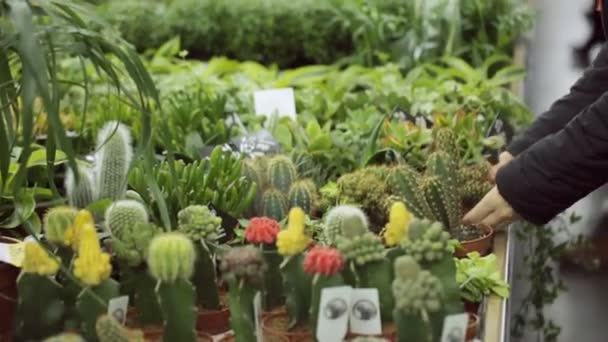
(302, 195)
(281, 173)
(244, 263)
(274, 204)
(362, 249)
(114, 153)
(415, 290)
(132, 245)
(199, 223)
(344, 220)
(125, 214)
(171, 257)
(57, 221)
(81, 192)
(433, 245)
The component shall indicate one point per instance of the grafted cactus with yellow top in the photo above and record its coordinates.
(37, 261)
(398, 223)
(92, 266)
(83, 218)
(293, 240)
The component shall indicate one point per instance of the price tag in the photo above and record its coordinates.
(12, 253)
(365, 312)
(455, 328)
(334, 308)
(117, 308)
(275, 101)
(257, 312)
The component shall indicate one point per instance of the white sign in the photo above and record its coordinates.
(117, 308)
(275, 101)
(12, 253)
(365, 312)
(455, 328)
(334, 308)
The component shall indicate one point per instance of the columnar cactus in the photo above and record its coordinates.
(262, 231)
(171, 261)
(274, 204)
(81, 192)
(302, 195)
(442, 208)
(57, 222)
(418, 302)
(243, 269)
(446, 140)
(325, 265)
(202, 226)
(344, 220)
(281, 173)
(112, 159)
(110, 330)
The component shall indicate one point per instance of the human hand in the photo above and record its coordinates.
(493, 210)
(503, 159)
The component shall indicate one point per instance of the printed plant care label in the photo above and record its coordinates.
(117, 308)
(257, 313)
(334, 308)
(275, 101)
(365, 316)
(12, 253)
(455, 328)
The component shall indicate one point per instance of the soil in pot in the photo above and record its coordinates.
(8, 292)
(389, 332)
(274, 327)
(155, 334)
(473, 239)
(231, 338)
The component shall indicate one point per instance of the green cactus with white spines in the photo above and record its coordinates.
(134, 196)
(171, 258)
(404, 182)
(362, 249)
(112, 160)
(446, 140)
(110, 330)
(199, 223)
(281, 173)
(428, 242)
(302, 195)
(57, 221)
(131, 246)
(124, 214)
(473, 183)
(441, 205)
(81, 192)
(274, 204)
(341, 216)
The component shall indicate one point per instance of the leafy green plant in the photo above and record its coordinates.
(479, 277)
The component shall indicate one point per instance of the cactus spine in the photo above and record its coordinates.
(124, 214)
(171, 260)
(110, 330)
(281, 173)
(442, 208)
(274, 204)
(301, 195)
(344, 220)
(57, 221)
(114, 153)
(81, 192)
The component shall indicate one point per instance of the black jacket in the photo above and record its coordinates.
(563, 156)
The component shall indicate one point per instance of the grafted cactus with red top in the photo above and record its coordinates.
(324, 260)
(262, 230)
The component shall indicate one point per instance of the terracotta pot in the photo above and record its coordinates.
(213, 321)
(274, 327)
(483, 245)
(473, 327)
(471, 307)
(389, 332)
(8, 293)
(155, 334)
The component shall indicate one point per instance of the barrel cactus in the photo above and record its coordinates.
(281, 173)
(123, 215)
(274, 204)
(344, 220)
(302, 195)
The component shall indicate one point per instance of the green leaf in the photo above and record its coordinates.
(283, 136)
(24, 208)
(313, 129)
(319, 144)
(100, 206)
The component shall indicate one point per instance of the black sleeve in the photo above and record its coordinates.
(561, 168)
(585, 91)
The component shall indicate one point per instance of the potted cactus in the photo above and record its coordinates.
(262, 232)
(367, 264)
(444, 191)
(279, 187)
(204, 228)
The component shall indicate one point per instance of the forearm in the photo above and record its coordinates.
(561, 168)
(585, 91)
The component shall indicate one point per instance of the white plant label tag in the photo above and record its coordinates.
(365, 312)
(257, 313)
(117, 308)
(334, 308)
(12, 253)
(275, 101)
(455, 328)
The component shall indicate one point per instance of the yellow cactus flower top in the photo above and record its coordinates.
(36, 260)
(293, 241)
(91, 266)
(72, 235)
(398, 223)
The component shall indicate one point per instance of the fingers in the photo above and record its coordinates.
(481, 211)
(503, 159)
(498, 218)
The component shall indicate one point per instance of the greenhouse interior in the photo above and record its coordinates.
(301, 171)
